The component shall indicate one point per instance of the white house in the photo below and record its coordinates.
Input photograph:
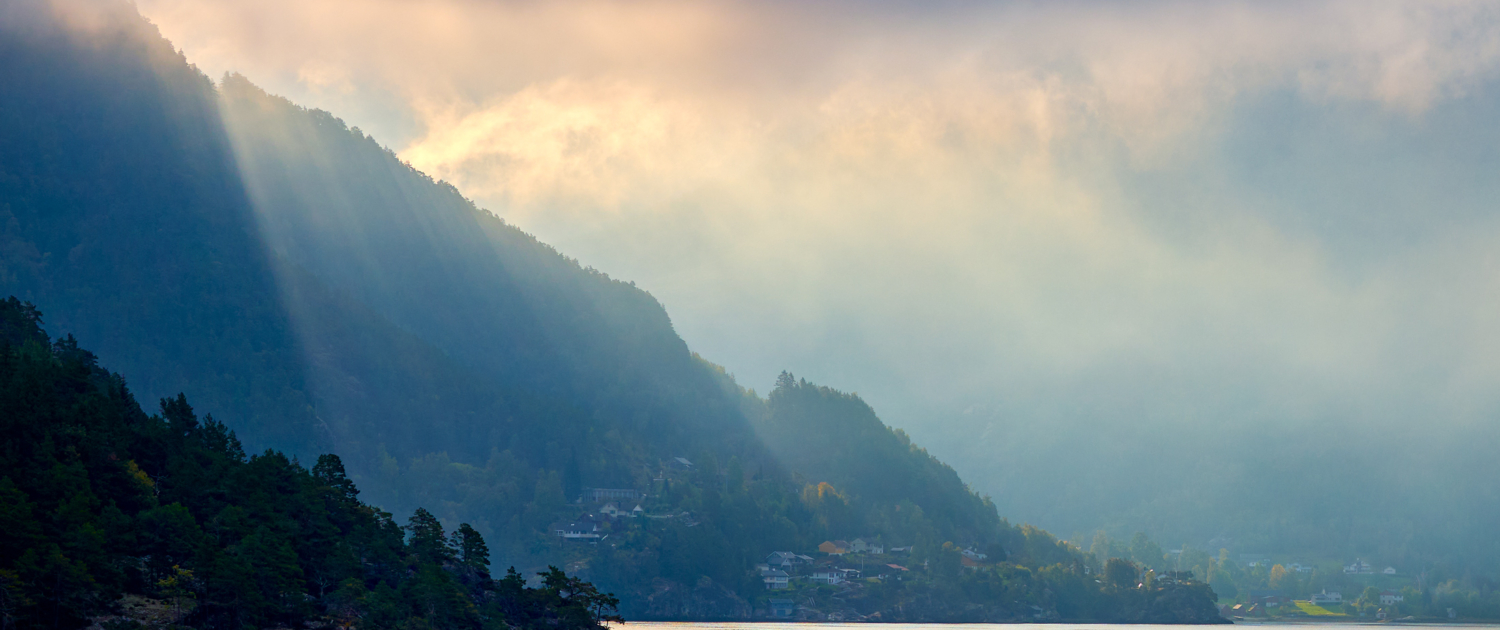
(973, 555)
(610, 509)
(1325, 597)
(1389, 571)
(775, 579)
(1390, 597)
(582, 530)
(827, 576)
(1299, 567)
(862, 545)
(1360, 567)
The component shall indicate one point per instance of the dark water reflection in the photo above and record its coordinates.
(752, 625)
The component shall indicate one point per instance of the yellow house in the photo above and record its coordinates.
(834, 547)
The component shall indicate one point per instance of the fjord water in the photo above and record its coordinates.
(738, 625)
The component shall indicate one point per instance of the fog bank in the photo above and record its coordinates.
(1053, 241)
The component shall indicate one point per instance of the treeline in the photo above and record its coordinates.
(1045, 580)
(107, 511)
(1426, 591)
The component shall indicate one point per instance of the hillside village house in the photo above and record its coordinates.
(1360, 567)
(1325, 597)
(613, 511)
(1389, 571)
(834, 547)
(783, 607)
(861, 545)
(827, 576)
(595, 495)
(585, 530)
(786, 560)
(775, 579)
(1389, 597)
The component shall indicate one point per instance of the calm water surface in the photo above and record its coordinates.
(752, 625)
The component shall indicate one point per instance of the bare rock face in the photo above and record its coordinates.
(703, 601)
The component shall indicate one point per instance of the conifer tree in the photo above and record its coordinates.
(473, 554)
(428, 543)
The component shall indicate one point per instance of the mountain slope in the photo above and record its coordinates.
(826, 435)
(596, 354)
(122, 215)
(287, 270)
(126, 215)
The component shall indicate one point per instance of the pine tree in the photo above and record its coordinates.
(330, 472)
(473, 555)
(428, 543)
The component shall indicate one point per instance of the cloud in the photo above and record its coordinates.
(1183, 206)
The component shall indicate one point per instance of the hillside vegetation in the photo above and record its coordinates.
(110, 514)
(289, 273)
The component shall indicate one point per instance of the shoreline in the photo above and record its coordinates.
(1369, 622)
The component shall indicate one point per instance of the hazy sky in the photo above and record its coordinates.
(1098, 211)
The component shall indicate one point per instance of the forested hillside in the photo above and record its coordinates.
(123, 215)
(109, 514)
(901, 491)
(320, 295)
(115, 516)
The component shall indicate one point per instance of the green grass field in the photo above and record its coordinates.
(1317, 611)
